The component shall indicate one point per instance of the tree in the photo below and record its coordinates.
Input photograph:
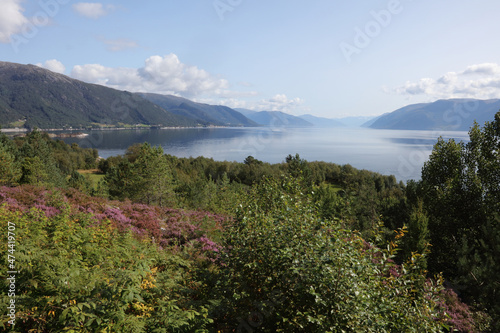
(417, 239)
(9, 168)
(147, 179)
(297, 167)
(250, 160)
(288, 270)
(34, 172)
(461, 191)
(120, 179)
(79, 182)
(154, 176)
(39, 161)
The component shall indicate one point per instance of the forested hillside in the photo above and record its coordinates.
(149, 242)
(31, 96)
(204, 114)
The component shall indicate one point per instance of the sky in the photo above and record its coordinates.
(329, 58)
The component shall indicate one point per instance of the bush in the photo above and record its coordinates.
(288, 270)
(79, 272)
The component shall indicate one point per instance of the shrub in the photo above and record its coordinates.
(287, 270)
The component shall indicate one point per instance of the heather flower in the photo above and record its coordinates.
(47, 210)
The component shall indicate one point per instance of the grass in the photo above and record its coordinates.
(18, 123)
(336, 188)
(93, 175)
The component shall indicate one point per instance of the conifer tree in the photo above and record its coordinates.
(153, 183)
(9, 168)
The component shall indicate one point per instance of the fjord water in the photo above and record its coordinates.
(390, 152)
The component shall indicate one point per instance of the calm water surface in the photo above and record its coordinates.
(390, 152)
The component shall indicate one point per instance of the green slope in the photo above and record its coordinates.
(203, 113)
(32, 96)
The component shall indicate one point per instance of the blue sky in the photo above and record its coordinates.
(327, 58)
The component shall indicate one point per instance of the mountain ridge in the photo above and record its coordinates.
(322, 122)
(456, 114)
(274, 118)
(205, 114)
(31, 96)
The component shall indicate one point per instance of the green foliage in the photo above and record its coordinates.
(418, 233)
(69, 158)
(144, 177)
(79, 182)
(154, 182)
(331, 202)
(10, 172)
(101, 189)
(298, 167)
(76, 275)
(34, 171)
(289, 270)
(306, 251)
(460, 188)
(38, 160)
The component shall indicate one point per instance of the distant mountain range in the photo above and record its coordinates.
(322, 122)
(281, 119)
(31, 96)
(274, 118)
(446, 115)
(203, 114)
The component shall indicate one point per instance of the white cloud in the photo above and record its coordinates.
(165, 75)
(92, 10)
(53, 65)
(12, 19)
(480, 81)
(486, 69)
(281, 102)
(168, 75)
(229, 102)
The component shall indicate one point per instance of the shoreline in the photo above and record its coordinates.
(25, 130)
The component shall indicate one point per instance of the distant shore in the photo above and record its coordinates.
(24, 130)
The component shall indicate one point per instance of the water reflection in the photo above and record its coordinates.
(401, 153)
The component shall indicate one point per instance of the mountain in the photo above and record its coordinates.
(32, 96)
(446, 114)
(322, 122)
(369, 122)
(358, 121)
(204, 114)
(246, 112)
(274, 118)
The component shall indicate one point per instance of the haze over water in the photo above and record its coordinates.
(389, 152)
